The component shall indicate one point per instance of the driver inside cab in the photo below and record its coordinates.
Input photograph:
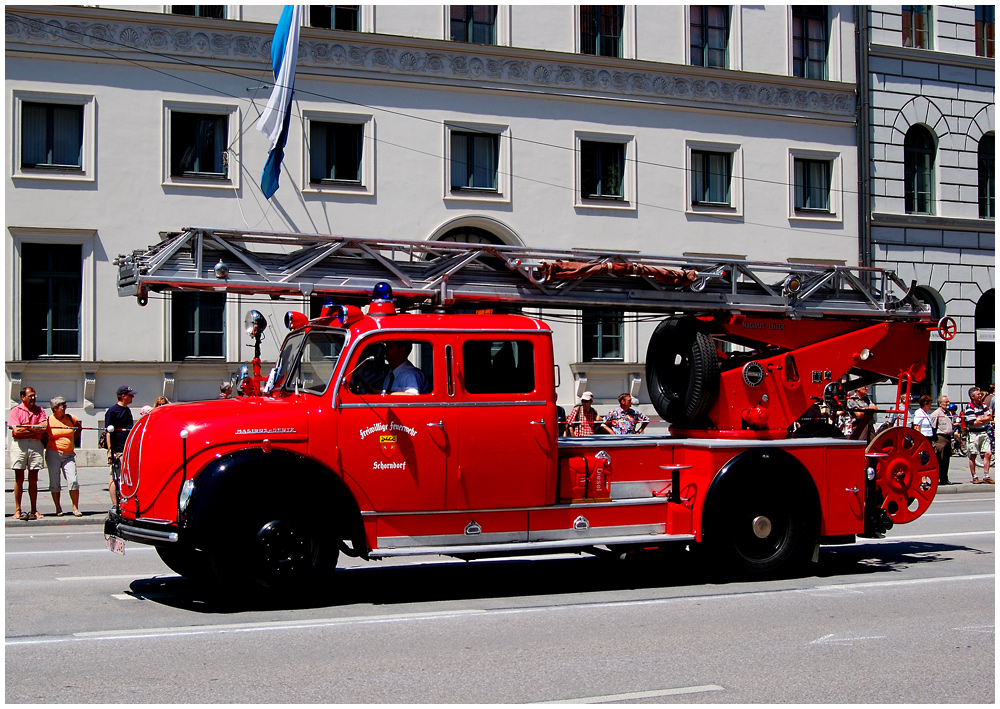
(403, 377)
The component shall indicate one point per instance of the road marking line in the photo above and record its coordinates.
(929, 536)
(638, 695)
(152, 575)
(91, 533)
(830, 640)
(957, 514)
(978, 628)
(147, 633)
(74, 551)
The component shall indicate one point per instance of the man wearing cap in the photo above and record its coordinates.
(27, 422)
(120, 417)
(582, 418)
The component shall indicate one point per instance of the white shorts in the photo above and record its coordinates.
(979, 443)
(61, 465)
(28, 454)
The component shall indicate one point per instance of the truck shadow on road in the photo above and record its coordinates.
(451, 580)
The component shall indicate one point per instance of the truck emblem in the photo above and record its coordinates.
(388, 445)
(753, 373)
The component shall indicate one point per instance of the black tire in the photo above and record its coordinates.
(682, 371)
(761, 530)
(273, 553)
(192, 564)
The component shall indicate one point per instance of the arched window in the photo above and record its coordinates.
(471, 235)
(987, 191)
(986, 363)
(918, 170)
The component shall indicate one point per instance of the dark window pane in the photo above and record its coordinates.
(498, 367)
(474, 23)
(51, 136)
(809, 41)
(198, 144)
(345, 17)
(216, 11)
(916, 21)
(335, 151)
(198, 325)
(602, 170)
(601, 29)
(321, 16)
(812, 185)
(603, 335)
(987, 187)
(711, 176)
(474, 160)
(918, 171)
(51, 292)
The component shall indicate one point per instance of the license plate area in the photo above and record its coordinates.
(115, 544)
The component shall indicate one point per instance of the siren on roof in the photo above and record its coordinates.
(382, 300)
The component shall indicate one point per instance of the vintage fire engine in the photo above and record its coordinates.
(468, 462)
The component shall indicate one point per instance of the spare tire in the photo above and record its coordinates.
(682, 371)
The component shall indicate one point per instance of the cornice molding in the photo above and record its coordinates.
(931, 56)
(929, 221)
(130, 35)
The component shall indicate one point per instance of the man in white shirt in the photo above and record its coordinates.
(403, 377)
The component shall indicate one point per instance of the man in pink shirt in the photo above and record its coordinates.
(27, 422)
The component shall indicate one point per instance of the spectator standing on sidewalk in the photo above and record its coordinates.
(583, 417)
(60, 455)
(120, 417)
(625, 420)
(27, 423)
(943, 428)
(977, 421)
(922, 417)
(862, 411)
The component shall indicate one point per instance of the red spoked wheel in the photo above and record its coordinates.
(908, 474)
(947, 328)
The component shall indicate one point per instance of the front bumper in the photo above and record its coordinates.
(155, 532)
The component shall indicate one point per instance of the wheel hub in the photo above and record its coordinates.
(761, 527)
(281, 548)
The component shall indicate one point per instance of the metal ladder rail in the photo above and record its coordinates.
(449, 273)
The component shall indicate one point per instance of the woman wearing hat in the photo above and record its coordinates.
(582, 418)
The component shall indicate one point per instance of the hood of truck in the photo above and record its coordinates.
(155, 460)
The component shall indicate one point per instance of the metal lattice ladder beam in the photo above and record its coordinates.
(448, 273)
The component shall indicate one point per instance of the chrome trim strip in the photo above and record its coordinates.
(627, 530)
(438, 404)
(453, 540)
(666, 440)
(522, 547)
(632, 489)
(140, 534)
(561, 506)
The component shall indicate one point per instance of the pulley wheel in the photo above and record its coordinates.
(908, 474)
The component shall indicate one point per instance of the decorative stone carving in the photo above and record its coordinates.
(453, 66)
(89, 386)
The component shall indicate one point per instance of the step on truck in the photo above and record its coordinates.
(327, 455)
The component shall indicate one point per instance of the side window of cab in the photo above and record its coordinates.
(498, 366)
(392, 366)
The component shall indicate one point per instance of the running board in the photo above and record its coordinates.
(528, 547)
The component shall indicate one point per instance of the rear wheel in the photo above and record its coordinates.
(762, 530)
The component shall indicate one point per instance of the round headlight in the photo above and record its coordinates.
(254, 323)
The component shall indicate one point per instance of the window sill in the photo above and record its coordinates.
(604, 203)
(474, 195)
(355, 189)
(207, 182)
(805, 215)
(67, 174)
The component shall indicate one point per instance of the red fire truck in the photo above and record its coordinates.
(328, 456)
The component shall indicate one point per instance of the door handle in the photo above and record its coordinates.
(439, 424)
(539, 423)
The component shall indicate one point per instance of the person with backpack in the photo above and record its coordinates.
(582, 419)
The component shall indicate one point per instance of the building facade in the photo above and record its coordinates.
(674, 130)
(931, 216)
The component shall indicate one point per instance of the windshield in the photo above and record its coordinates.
(308, 366)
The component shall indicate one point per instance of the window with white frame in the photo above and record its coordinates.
(474, 160)
(602, 170)
(710, 35)
(985, 30)
(603, 336)
(601, 30)
(812, 185)
(917, 26)
(815, 185)
(198, 325)
(215, 11)
(50, 299)
(335, 17)
(197, 149)
(477, 162)
(476, 24)
(335, 152)
(198, 144)
(919, 154)
(810, 41)
(53, 136)
(711, 177)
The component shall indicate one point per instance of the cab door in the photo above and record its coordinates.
(507, 425)
(395, 447)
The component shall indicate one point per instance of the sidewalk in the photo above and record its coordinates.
(95, 501)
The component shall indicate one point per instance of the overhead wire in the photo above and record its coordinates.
(252, 101)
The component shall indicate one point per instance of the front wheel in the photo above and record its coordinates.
(273, 554)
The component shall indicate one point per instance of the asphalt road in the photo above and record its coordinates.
(905, 619)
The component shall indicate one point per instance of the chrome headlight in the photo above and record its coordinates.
(187, 492)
